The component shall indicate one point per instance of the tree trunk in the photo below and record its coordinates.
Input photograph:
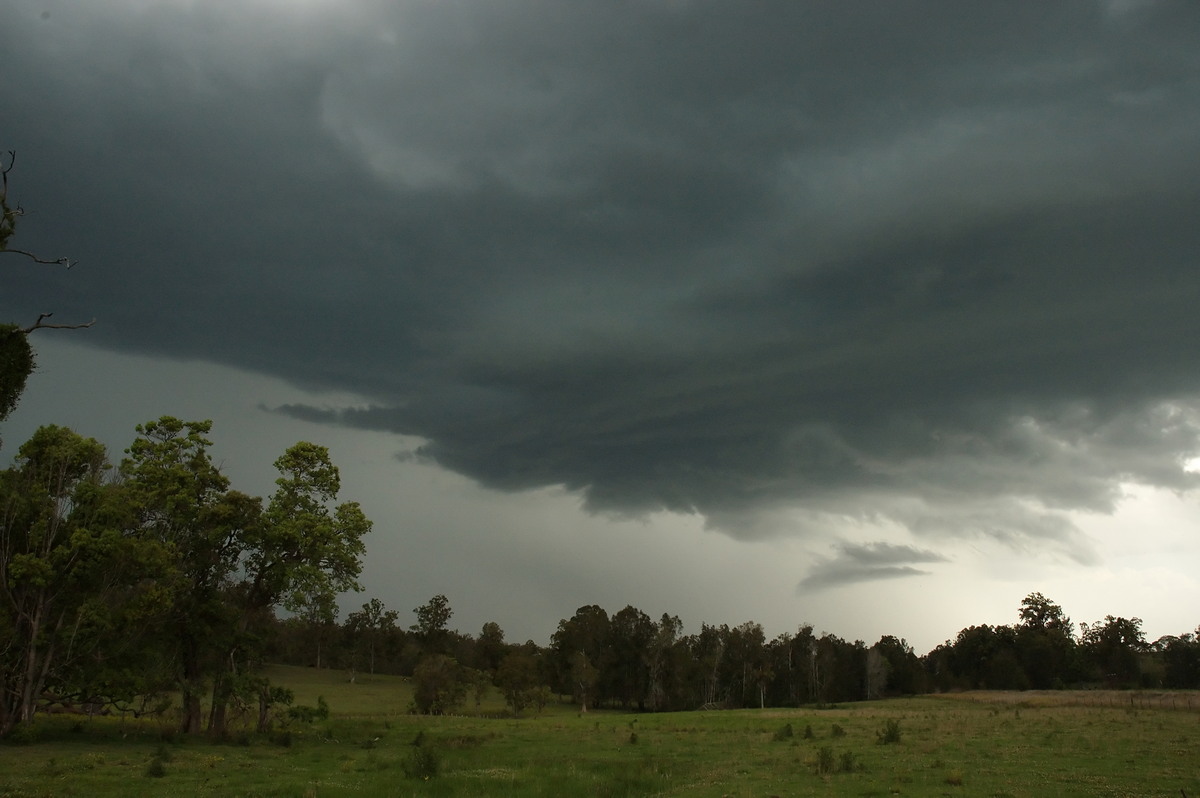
(217, 714)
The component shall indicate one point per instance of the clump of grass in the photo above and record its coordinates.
(784, 733)
(808, 732)
(837, 731)
(847, 762)
(954, 778)
(633, 738)
(825, 761)
(156, 769)
(890, 733)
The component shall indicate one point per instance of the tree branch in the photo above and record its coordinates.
(8, 221)
(39, 325)
(59, 262)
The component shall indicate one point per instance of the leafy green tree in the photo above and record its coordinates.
(490, 648)
(631, 633)
(1112, 647)
(440, 684)
(1045, 643)
(665, 670)
(431, 627)
(71, 584)
(178, 497)
(518, 679)
(234, 561)
(579, 649)
(1181, 660)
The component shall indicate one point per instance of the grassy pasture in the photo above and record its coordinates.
(970, 744)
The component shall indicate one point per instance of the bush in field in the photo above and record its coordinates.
(306, 714)
(783, 733)
(890, 733)
(423, 762)
(440, 685)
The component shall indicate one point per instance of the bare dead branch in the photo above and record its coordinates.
(40, 325)
(8, 221)
(59, 262)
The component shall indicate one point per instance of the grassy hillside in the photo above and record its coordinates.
(973, 744)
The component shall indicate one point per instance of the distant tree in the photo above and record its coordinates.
(1181, 660)
(431, 627)
(1112, 647)
(318, 614)
(665, 669)
(490, 648)
(631, 633)
(903, 668)
(371, 625)
(440, 684)
(585, 634)
(1040, 613)
(518, 679)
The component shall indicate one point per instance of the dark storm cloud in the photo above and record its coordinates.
(933, 262)
(867, 563)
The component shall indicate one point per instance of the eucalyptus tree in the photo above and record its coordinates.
(179, 498)
(234, 560)
(72, 584)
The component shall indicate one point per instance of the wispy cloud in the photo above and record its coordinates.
(869, 562)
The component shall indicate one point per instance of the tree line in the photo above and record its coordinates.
(629, 660)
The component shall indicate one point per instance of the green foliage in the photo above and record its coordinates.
(785, 732)
(836, 731)
(16, 364)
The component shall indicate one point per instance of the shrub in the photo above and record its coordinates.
(423, 763)
(837, 731)
(825, 760)
(306, 714)
(156, 769)
(784, 733)
(808, 732)
(890, 733)
(847, 762)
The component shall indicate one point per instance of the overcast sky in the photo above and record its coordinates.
(876, 316)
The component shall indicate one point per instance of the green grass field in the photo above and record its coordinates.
(971, 744)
